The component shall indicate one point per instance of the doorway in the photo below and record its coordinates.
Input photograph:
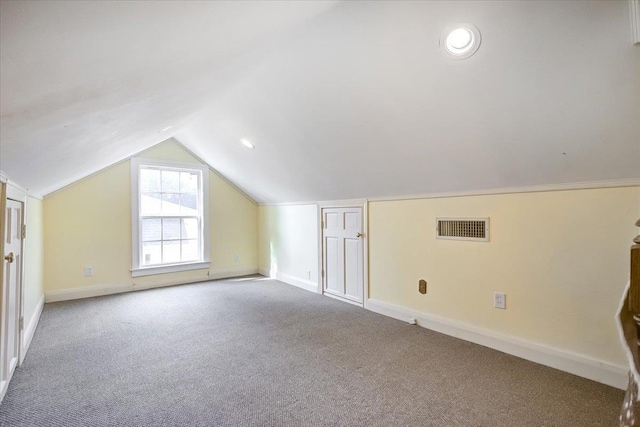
(11, 295)
(343, 270)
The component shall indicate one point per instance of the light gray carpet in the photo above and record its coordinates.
(262, 353)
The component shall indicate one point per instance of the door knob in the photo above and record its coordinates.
(9, 258)
(359, 235)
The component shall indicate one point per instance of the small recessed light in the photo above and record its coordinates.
(166, 129)
(247, 143)
(460, 41)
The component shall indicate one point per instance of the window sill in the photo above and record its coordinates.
(162, 269)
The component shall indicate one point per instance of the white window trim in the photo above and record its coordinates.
(136, 269)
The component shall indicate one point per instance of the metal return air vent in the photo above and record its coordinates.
(475, 229)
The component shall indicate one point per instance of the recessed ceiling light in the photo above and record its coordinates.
(166, 129)
(247, 143)
(460, 41)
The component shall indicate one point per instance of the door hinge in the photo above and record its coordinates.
(322, 273)
(21, 322)
(24, 231)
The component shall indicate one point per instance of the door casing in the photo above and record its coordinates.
(356, 203)
(19, 195)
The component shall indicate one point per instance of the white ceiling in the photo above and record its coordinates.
(342, 100)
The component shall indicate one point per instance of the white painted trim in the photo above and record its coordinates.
(30, 330)
(100, 290)
(338, 298)
(19, 194)
(136, 163)
(173, 268)
(365, 253)
(307, 285)
(586, 185)
(352, 203)
(348, 203)
(634, 6)
(574, 363)
(4, 178)
(320, 283)
(15, 192)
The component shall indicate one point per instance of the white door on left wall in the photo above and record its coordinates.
(10, 326)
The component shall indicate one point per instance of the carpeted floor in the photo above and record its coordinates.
(256, 352)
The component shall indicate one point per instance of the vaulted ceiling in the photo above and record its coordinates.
(341, 99)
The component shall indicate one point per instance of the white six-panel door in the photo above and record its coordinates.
(9, 322)
(343, 253)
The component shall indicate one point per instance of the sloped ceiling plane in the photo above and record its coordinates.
(341, 99)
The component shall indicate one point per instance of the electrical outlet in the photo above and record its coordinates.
(88, 271)
(500, 300)
(308, 274)
(422, 286)
(236, 258)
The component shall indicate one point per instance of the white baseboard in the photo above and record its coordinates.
(31, 328)
(300, 283)
(100, 290)
(574, 363)
(307, 285)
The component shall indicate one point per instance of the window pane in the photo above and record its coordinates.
(151, 253)
(188, 183)
(149, 180)
(170, 182)
(171, 251)
(170, 203)
(171, 229)
(150, 203)
(151, 230)
(189, 204)
(190, 229)
(190, 250)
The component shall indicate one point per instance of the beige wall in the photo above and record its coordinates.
(33, 258)
(562, 258)
(89, 224)
(288, 242)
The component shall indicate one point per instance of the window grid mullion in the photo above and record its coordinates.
(161, 235)
(163, 216)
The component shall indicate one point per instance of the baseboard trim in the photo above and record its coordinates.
(4, 385)
(307, 285)
(30, 331)
(573, 363)
(299, 283)
(101, 290)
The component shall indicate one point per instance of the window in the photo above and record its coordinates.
(169, 216)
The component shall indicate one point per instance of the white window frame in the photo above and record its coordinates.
(136, 268)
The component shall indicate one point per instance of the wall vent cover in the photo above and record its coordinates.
(474, 229)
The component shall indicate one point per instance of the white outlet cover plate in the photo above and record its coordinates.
(500, 300)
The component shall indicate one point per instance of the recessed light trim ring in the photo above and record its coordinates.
(460, 41)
